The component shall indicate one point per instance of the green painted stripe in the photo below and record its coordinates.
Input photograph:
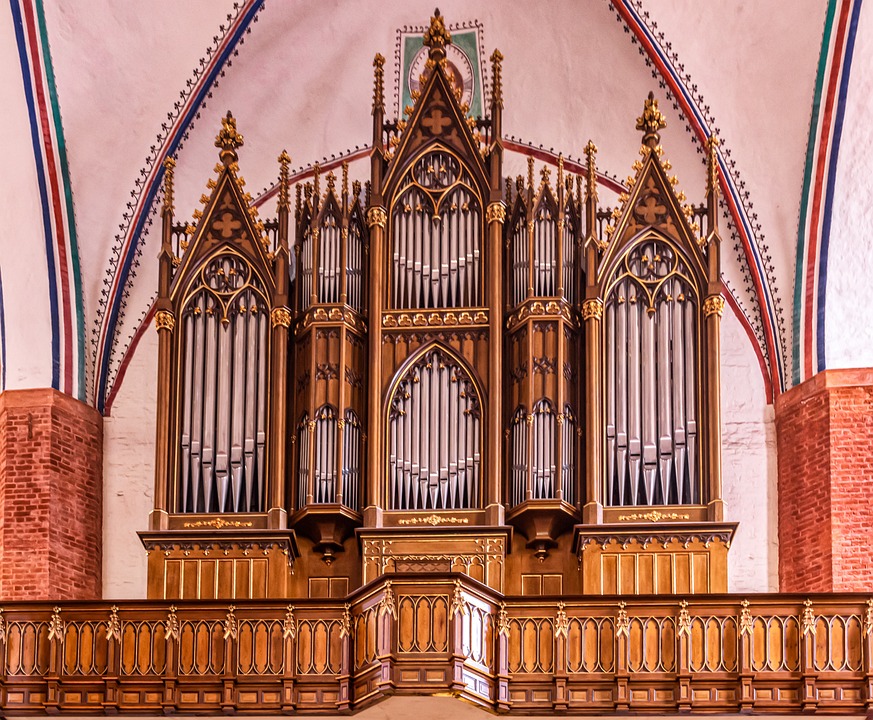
(802, 235)
(79, 308)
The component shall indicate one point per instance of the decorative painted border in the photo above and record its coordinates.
(56, 199)
(125, 254)
(770, 345)
(819, 181)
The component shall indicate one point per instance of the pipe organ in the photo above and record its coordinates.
(454, 372)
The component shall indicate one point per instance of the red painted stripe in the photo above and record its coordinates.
(819, 188)
(762, 363)
(60, 230)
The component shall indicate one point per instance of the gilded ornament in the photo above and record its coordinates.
(284, 198)
(654, 516)
(459, 605)
(651, 121)
(684, 619)
(228, 140)
(113, 627)
(622, 622)
(56, 625)
(346, 622)
(712, 143)
(2, 626)
(496, 212)
(868, 619)
(280, 316)
(171, 631)
(592, 309)
(713, 305)
(436, 36)
(808, 618)
(217, 523)
(230, 624)
(289, 624)
(169, 168)
(433, 519)
(377, 216)
(164, 320)
(503, 621)
(745, 619)
(378, 82)
(388, 605)
(562, 622)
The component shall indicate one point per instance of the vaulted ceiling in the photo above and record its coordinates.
(96, 95)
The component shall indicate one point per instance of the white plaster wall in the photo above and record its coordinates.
(748, 464)
(129, 473)
(22, 243)
(848, 326)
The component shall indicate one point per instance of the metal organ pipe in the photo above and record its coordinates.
(434, 464)
(651, 389)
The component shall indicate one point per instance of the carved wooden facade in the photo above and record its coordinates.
(441, 371)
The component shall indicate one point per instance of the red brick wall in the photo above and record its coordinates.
(824, 432)
(51, 497)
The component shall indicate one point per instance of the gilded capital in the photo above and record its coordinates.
(280, 316)
(164, 320)
(496, 212)
(592, 309)
(377, 216)
(713, 305)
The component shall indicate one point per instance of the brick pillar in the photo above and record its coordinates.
(51, 497)
(824, 433)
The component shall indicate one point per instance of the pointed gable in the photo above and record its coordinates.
(227, 220)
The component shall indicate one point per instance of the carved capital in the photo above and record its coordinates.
(164, 320)
(280, 316)
(592, 309)
(496, 212)
(377, 216)
(713, 305)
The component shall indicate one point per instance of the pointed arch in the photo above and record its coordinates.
(434, 433)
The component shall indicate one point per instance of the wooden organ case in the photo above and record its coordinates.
(460, 373)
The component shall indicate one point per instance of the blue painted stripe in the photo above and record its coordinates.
(831, 188)
(27, 78)
(151, 193)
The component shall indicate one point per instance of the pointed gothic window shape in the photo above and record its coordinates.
(434, 435)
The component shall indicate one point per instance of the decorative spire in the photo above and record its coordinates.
(436, 37)
(228, 140)
(331, 182)
(284, 162)
(345, 185)
(591, 180)
(530, 173)
(497, 79)
(560, 178)
(651, 121)
(316, 187)
(712, 143)
(379, 82)
(169, 170)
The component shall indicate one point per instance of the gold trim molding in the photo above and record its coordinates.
(218, 523)
(432, 319)
(655, 516)
(433, 519)
(164, 320)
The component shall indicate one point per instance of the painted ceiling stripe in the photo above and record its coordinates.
(109, 321)
(24, 56)
(2, 338)
(629, 14)
(819, 180)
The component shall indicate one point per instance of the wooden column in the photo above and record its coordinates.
(377, 220)
(165, 322)
(495, 217)
(280, 322)
(592, 316)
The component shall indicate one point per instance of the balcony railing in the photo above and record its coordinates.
(441, 634)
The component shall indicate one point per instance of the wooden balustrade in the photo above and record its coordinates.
(432, 634)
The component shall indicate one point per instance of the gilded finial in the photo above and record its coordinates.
(331, 182)
(284, 162)
(299, 201)
(379, 82)
(651, 121)
(712, 143)
(436, 37)
(591, 184)
(530, 172)
(345, 188)
(316, 185)
(356, 189)
(560, 178)
(497, 79)
(545, 171)
(508, 186)
(169, 169)
(228, 140)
